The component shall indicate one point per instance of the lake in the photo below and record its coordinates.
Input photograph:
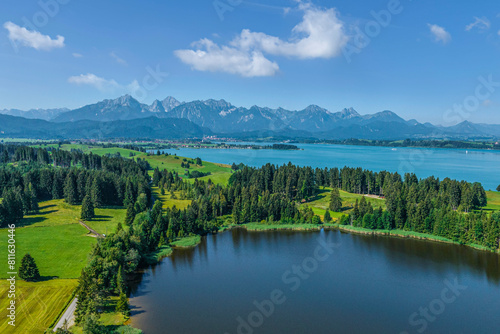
(470, 165)
(319, 282)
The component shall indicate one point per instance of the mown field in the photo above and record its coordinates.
(38, 304)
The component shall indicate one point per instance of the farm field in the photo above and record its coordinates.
(37, 304)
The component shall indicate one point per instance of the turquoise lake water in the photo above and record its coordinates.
(470, 165)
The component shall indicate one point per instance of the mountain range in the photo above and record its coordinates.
(170, 118)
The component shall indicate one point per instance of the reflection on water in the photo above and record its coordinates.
(371, 284)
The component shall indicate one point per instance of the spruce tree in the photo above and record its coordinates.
(335, 200)
(87, 209)
(70, 191)
(12, 205)
(130, 215)
(5, 156)
(95, 192)
(327, 218)
(122, 305)
(57, 189)
(120, 281)
(28, 270)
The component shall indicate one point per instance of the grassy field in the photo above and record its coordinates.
(320, 203)
(54, 237)
(270, 227)
(493, 200)
(60, 247)
(168, 202)
(38, 304)
(187, 242)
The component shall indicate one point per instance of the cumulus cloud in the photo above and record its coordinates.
(213, 58)
(320, 34)
(440, 34)
(479, 23)
(104, 85)
(33, 39)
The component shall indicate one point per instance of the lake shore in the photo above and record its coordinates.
(259, 227)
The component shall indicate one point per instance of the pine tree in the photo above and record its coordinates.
(12, 205)
(33, 198)
(28, 270)
(120, 281)
(156, 176)
(327, 218)
(335, 200)
(130, 215)
(92, 325)
(87, 209)
(57, 189)
(5, 156)
(180, 235)
(95, 192)
(170, 233)
(70, 191)
(123, 306)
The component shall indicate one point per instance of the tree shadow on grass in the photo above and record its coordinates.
(46, 207)
(47, 278)
(26, 221)
(101, 218)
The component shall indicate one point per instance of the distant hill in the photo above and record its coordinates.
(222, 118)
(151, 128)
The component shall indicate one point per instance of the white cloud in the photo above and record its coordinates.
(118, 59)
(213, 58)
(320, 34)
(440, 34)
(90, 79)
(77, 55)
(33, 39)
(479, 23)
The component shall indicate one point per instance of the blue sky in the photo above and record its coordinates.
(424, 62)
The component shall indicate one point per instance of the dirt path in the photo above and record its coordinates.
(94, 232)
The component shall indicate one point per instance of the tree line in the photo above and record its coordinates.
(106, 181)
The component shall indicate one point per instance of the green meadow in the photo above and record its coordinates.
(55, 238)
